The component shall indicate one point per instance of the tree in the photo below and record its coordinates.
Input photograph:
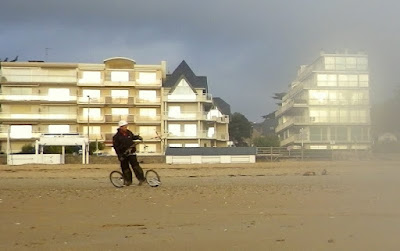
(266, 141)
(28, 148)
(239, 129)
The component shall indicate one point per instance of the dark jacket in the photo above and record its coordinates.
(122, 142)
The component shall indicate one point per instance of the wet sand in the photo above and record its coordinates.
(263, 206)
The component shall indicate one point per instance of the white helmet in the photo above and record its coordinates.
(122, 123)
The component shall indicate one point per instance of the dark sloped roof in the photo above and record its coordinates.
(183, 70)
(187, 151)
(222, 106)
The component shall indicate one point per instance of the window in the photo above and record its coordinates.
(326, 80)
(329, 63)
(339, 133)
(318, 133)
(348, 80)
(94, 130)
(211, 132)
(147, 148)
(364, 79)
(192, 145)
(351, 63)
(362, 63)
(90, 77)
(94, 113)
(359, 133)
(148, 112)
(174, 129)
(190, 130)
(93, 95)
(58, 94)
(119, 76)
(147, 77)
(150, 131)
(21, 131)
(148, 95)
(174, 111)
(58, 129)
(21, 91)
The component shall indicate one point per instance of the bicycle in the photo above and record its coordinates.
(151, 177)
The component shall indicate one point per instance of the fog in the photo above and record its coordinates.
(248, 49)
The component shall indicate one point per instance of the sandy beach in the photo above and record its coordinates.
(263, 206)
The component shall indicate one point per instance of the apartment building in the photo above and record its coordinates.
(89, 99)
(327, 105)
(192, 118)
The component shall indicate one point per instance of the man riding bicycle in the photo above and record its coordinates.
(124, 146)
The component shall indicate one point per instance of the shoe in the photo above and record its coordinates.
(126, 183)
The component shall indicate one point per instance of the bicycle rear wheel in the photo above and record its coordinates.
(117, 179)
(152, 178)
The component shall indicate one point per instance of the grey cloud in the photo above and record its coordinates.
(247, 49)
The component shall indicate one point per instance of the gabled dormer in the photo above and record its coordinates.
(183, 71)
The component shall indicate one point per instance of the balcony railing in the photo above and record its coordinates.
(185, 98)
(119, 100)
(116, 118)
(95, 100)
(92, 119)
(148, 119)
(39, 78)
(47, 98)
(37, 116)
(143, 101)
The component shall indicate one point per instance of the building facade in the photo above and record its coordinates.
(327, 105)
(89, 99)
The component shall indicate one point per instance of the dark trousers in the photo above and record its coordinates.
(132, 160)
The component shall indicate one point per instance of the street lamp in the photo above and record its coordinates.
(88, 123)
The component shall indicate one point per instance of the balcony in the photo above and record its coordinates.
(222, 119)
(36, 98)
(92, 119)
(156, 84)
(184, 98)
(139, 119)
(109, 100)
(95, 100)
(147, 101)
(41, 76)
(112, 118)
(37, 116)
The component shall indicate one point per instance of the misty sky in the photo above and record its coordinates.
(248, 49)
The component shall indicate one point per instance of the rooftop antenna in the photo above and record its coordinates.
(47, 53)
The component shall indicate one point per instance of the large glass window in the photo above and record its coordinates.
(362, 63)
(359, 133)
(364, 80)
(318, 133)
(326, 80)
(339, 133)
